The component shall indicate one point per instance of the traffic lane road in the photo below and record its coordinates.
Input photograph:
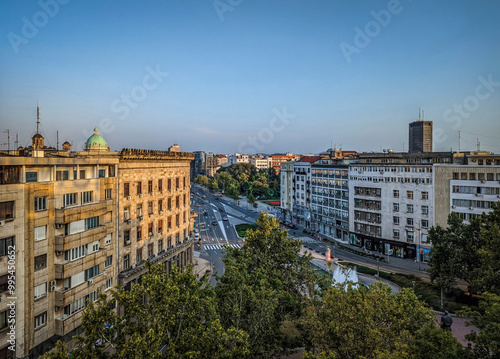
(357, 259)
(215, 257)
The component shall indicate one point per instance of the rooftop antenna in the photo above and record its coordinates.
(419, 114)
(57, 139)
(17, 141)
(422, 115)
(478, 145)
(37, 117)
(8, 139)
(458, 141)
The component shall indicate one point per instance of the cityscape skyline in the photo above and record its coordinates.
(252, 76)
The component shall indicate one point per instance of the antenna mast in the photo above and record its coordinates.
(458, 141)
(37, 118)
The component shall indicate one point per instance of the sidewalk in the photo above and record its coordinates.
(201, 266)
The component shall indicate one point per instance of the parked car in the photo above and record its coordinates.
(214, 223)
(224, 218)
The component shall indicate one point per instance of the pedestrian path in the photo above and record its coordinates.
(305, 239)
(220, 246)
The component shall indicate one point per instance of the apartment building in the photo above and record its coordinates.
(261, 162)
(238, 158)
(287, 190)
(214, 163)
(279, 158)
(63, 232)
(301, 182)
(154, 212)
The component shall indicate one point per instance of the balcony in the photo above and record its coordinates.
(136, 270)
(66, 269)
(63, 242)
(66, 296)
(72, 214)
(66, 323)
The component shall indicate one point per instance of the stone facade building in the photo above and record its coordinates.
(62, 232)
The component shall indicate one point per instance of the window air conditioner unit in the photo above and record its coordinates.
(58, 308)
(2, 223)
(483, 181)
(127, 243)
(161, 212)
(58, 253)
(471, 207)
(52, 283)
(129, 197)
(151, 193)
(140, 218)
(58, 225)
(141, 195)
(91, 281)
(129, 221)
(161, 191)
(52, 288)
(453, 206)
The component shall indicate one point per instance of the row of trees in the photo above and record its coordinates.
(268, 302)
(470, 252)
(243, 178)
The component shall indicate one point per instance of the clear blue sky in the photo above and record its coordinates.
(232, 67)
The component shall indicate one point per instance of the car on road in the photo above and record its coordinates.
(214, 223)
(205, 213)
(221, 209)
(224, 218)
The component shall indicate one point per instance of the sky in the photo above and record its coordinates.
(251, 76)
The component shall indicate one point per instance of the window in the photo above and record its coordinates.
(139, 256)
(139, 233)
(102, 173)
(40, 291)
(139, 187)
(126, 213)
(169, 203)
(82, 174)
(40, 233)
(70, 199)
(395, 220)
(410, 236)
(395, 233)
(160, 205)
(409, 221)
(160, 185)
(7, 210)
(126, 237)
(109, 261)
(395, 207)
(139, 210)
(75, 306)
(150, 229)
(108, 239)
(169, 242)
(76, 253)
(169, 184)
(425, 223)
(395, 193)
(126, 189)
(94, 247)
(40, 203)
(177, 183)
(425, 238)
(109, 284)
(150, 208)
(86, 197)
(160, 245)
(40, 262)
(107, 193)
(425, 210)
(425, 195)
(177, 201)
(31, 176)
(409, 194)
(4, 283)
(62, 175)
(150, 186)
(177, 220)
(3, 319)
(409, 208)
(150, 250)
(40, 320)
(126, 261)
(184, 179)
(92, 272)
(92, 223)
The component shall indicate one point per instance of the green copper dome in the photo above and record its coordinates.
(96, 141)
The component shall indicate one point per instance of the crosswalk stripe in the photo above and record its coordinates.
(218, 246)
